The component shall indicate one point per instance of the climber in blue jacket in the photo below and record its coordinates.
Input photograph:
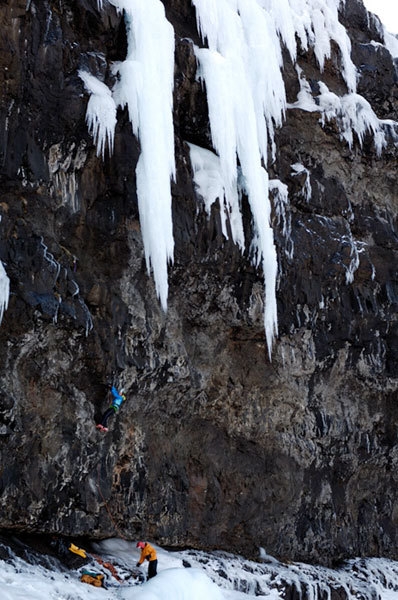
(117, 400)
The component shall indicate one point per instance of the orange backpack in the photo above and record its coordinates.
(96, 580)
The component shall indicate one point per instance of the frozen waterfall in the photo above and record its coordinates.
(241, 67)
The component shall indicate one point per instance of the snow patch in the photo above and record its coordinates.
(184, 584)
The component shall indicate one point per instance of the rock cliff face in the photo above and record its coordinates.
(216, 446)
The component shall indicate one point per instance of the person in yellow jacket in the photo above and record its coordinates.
(148, 553)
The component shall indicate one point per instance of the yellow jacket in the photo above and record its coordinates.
(148, 553)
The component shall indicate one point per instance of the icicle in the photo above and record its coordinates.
(4, 290)
(101, 113)
(145, 86)
(241, 68)
(55, 267)
(356, 248)
(353, 114)
(244, 101)
(317, 23)
(298, 169)
(279, 193)
(357, 115)
(211, 186)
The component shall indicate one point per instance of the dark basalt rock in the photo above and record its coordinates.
(216, 446)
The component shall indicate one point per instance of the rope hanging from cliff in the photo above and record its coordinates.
(120, 534)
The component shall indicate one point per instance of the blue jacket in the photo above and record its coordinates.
(118, 399)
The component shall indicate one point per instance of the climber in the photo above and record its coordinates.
(117, 400)
(148, 553)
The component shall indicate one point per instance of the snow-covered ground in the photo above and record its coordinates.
(193, 575)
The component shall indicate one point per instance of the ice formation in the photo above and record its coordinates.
(145, 86)
(280, 198)
(241, 68)
(4, 290)
(391, 43)
(101, 113)
(211, 185)
(211, 576)
(247, 101)
(352, 113)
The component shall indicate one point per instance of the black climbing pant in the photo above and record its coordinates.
(109, 412)
(152, 568)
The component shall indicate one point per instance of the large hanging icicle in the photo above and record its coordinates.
(145, 85)
(146, 80)
(245, 101)
(246, 96)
